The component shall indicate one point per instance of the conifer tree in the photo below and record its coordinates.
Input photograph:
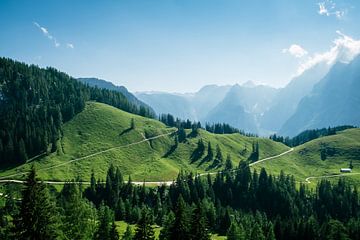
(132, 124)
(105, 219)
(144, 229)
(199, 229)
(228, 163)
(180, 228)
(210, 153)
(78, 215)
(114, 235)
(128, 235)
(235, 232)
(218, 157)
(37, 218)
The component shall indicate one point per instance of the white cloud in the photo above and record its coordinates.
(328, 8)
(70, 45)
(344, 49)
(295, 50)
(47, 34)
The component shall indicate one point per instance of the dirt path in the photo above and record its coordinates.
(94, 154)
(307, 180)
(151, 183)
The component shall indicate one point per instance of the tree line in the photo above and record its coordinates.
(217, 128)
(34, 102)
(309, 135)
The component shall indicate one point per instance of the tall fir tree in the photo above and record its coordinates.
(199, 229)
(37, 218)
(144, 229)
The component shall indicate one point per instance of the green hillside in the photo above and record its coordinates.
(101, 134)
(305, 161)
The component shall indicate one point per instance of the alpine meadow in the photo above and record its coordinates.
(179, 120)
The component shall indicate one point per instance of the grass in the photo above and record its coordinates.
(305, 160)
(100, 127)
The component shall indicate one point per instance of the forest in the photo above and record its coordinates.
(309, 135)
(239, 204)
(35, 102)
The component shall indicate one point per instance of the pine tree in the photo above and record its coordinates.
(78, 215)
(165, 233)
(210, 153)
(218, 157)
(180, 228)
(235, 232)
(257, 233)
(199, 228)
(228, 163)
(132, 124)
(144, 229)
(22, 152)
(114, 235)
(105, 219)
(128, 235)
(37, 218)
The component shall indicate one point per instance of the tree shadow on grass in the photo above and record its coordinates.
(125, 131)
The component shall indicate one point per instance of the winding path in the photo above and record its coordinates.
(2, 179)
(307, 180)
(167, 183)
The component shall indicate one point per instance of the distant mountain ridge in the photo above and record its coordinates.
(100, 83)
(238, 105)
(335, 100)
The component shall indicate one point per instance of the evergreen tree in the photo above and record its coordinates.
(335, 230)
(180, 229)
(199, 229)
(181, 135)
(132, 123)
(78, 215)
(105, 220)
(114, 235)
(257, 233)
(165, 233)
(210, 153)
(235, 232)
(218, 157)
(228, 163)
(37, 218)
(128, 235)
(144, 229)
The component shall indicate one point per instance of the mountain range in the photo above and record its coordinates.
(324, 95)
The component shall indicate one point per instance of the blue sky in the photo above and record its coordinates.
(176, 45)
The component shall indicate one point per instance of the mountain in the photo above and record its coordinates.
(242, 106)
(100, 83)
(193, 106)
(334, 101)
(285, 102)
(177, 105)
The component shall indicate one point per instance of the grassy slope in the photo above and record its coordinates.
(100, 127)
(305, 160)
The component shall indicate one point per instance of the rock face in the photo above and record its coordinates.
(334, 101)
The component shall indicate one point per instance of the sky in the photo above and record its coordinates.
(179, 45)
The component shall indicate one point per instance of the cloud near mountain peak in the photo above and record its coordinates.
(344, 49)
